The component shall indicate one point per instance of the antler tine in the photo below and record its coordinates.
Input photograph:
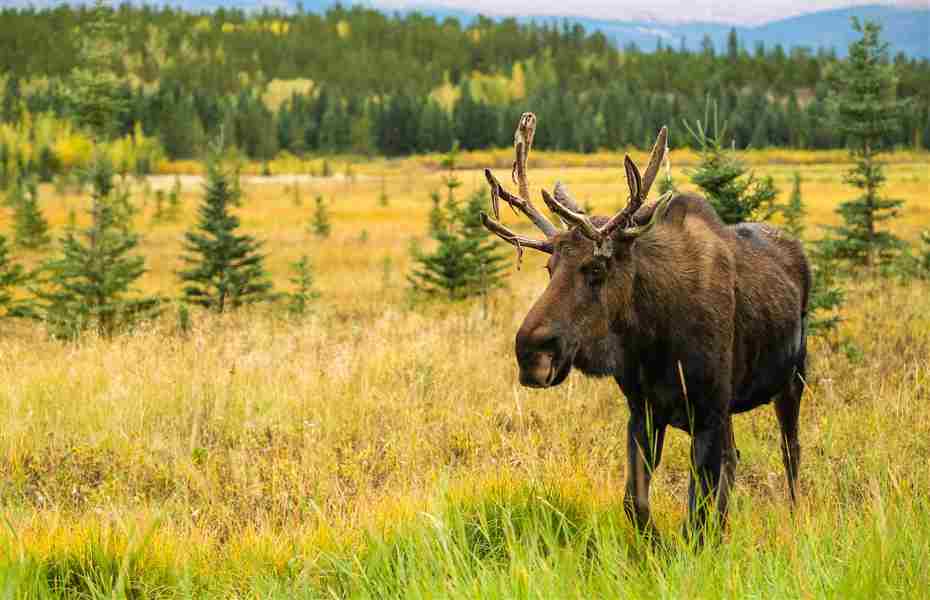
(514, 238)
(622, 218)
(517, 240)
(498, 192)
(659, 149)
(522, 143)
(573, 218)
(639, 185)
(565, 199)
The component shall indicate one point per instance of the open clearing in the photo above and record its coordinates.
(381, 448)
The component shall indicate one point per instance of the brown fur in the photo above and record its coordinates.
(695, 320)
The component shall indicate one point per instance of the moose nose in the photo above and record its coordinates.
(537, 350)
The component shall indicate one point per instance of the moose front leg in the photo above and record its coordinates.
(713, 469)
(644, 452)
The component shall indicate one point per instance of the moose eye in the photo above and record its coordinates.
(594, 274)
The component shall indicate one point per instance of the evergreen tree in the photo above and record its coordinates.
(465, 262)
(826, 296)
(94, 88)
(866, 110)
(29, 225)
(12, 275)
(666, 183)
(304, 294)
(90, 285)
(383, 198)
(794, 212)
(721, 177)
(11, 106)
(319, 223)
(924, 257)
(226, 270)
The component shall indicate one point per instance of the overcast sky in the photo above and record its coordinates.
(745, 12)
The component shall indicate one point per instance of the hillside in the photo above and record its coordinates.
(907, 29)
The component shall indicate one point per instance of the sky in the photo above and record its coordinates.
(744, 12)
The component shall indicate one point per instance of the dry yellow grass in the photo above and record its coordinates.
(270, 213)
(255, 440)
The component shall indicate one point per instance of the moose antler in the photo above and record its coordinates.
(523, 204)
(639, 190)
(522, 142)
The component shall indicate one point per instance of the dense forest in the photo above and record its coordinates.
(357, 80)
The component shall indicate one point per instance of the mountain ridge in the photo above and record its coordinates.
(907, 29)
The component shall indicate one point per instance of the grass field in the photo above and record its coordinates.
(385, 449)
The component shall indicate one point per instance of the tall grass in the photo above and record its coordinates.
(380, 448)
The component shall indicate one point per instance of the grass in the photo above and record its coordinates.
(381, 448)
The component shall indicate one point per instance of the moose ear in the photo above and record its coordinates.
(633, 178)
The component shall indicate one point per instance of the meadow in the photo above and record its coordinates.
(382, 447)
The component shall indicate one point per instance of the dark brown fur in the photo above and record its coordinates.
(695, 321)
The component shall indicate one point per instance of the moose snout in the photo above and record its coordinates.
(538, 353)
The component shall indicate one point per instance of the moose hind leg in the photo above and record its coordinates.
(787, 409)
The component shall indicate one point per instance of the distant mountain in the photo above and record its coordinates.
(906, 29)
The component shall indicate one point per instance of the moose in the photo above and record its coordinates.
(695, 320)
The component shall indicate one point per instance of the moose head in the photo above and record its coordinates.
(591, 268)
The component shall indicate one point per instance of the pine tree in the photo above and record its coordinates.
(866, 110)
(721, 177)
(30, 227)
(794, 212)
(319, 223)
(465, 262)
(383, 198)
(826, 296)
(924, 257)
(226, 270)
(666, 183)
(94, 88)
(174, 200)
(90, 285)
(304, 294)
(12, 275)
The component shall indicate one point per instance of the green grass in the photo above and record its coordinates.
(534, 542)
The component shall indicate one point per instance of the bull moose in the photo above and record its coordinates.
(695, 321)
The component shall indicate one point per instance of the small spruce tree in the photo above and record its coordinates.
(722, 177)
(174, 200)
(319, 223)
(826, 296)
(794, 211)
(465, 262)
(225, 269)
(923, 259)
(90, 285)
(304, 294)
(864, 104)
(12, 275)
(159, 214)
(30, 227)
(667, 184)
(383, 198)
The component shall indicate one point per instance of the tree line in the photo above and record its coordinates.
(88, 283)
(357, 80)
